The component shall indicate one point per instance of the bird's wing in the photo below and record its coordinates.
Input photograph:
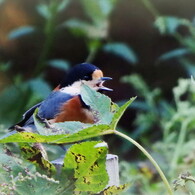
(52, 105)
(30, 111)
(47, 108)
(26, 116)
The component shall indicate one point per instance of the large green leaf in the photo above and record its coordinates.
(67, 128)
(37, 155)
(94, 131)
(87, 162)
(18, 176)
(99, 103)
(106, 113)
(118, 114)
(122, 50)
(10, 164)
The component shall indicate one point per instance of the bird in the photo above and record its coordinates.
(65, 103)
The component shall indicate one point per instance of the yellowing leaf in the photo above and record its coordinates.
(115, 189)
(87, 162)
(94, 131)
(37, 155)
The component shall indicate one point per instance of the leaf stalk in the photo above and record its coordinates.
(164, 179)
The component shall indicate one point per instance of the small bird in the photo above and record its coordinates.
(65, 102)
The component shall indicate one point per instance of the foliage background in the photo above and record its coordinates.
(40, 40)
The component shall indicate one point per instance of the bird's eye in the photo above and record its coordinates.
(86, 78)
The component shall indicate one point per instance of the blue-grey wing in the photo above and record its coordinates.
(30, 111)
(47, 108)
(27, 117)
(51, 106)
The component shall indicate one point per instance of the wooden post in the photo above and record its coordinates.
(112, 170)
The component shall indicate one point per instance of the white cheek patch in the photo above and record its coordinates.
(92, 84)
(75, 88)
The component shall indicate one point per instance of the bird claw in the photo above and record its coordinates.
(44, 121)
(19, 128)
(47, 124)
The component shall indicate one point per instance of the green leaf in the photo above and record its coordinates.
(21, 31)
(21, 96)
(36, 184)
(99, 103)
(39, 87)
(2, 1)
(60, 64)
(122, 50)
(115, 189)
(18, 176)
(11, 163)
(40, 126)
(37, 155)
(77, 25)
(13, 97)
(138, 83)
(63, 5)
(189, 66)
(176, 53)
(107, 115)
(5, 66)
(68, 127)
(182, 180)
(87, 162)
(44, 11)
(185, 86)
(94, 131)
(118, 114)
(50, 9)
(99, 10)
(81, 28)
(169, 25)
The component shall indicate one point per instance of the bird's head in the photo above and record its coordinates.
(87, 74)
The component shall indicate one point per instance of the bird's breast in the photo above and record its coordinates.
(73, 110)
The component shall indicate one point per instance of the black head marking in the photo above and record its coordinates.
(79, 72)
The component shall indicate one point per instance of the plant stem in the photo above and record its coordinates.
(180, 142)
(151, 8)
(170, 192)
(93, 46)
(91, 55)
(49, 31)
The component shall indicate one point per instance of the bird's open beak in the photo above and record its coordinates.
(102, 80)
(106, 78)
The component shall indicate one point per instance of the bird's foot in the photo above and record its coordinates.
(47, 124)
(19, 128)
(44, 121)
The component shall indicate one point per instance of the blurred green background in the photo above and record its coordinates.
(145, 46)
